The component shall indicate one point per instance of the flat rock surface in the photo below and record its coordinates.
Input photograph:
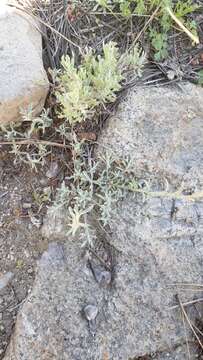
(153, 248)
(23, 80)
(161, 130)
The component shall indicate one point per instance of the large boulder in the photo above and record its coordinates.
(23, 80)
(154, 246)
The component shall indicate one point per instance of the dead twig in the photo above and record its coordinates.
(193, 37)
(192, 302)
(145, 26)
(100, 259)
(189, 321)
(186, 337)
(21, 8)
(35, 142)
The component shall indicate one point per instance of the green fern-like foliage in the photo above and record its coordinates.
(161, 24)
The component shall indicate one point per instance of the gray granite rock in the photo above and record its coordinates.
(153, 244)
(161, 130)
(23, 80)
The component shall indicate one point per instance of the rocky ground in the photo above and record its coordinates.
(23, 78)
(136, 294)
(128, 279)
(21, 242)
(24, 196)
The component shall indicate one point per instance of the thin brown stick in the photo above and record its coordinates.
(186, 336)
(193, 37)
(198, 330)
(189, 322)
(99, 258)
(191, 290)
(187, 284)
(145, 26)
(48, 26)
(34, 142)
(187, 303)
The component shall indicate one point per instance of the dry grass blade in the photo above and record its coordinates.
(146, 25)
(188, 286)
(55, 28)
(192, 302)
(186, 337)
(198, 330)
(60, 34)
(34, 142)
(193, 37)
(189, 322)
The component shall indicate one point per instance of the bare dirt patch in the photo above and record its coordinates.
(20, 241)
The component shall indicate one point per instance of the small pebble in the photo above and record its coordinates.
(30, 271)
(90, 312)
(26, 205)
(103, 277)
(36, 221)
(171, 74)
(43, 181)
(5, 279)
(10, 257)
(53, 170)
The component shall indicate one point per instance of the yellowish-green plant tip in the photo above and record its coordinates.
(81, 91)
(93, 83)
